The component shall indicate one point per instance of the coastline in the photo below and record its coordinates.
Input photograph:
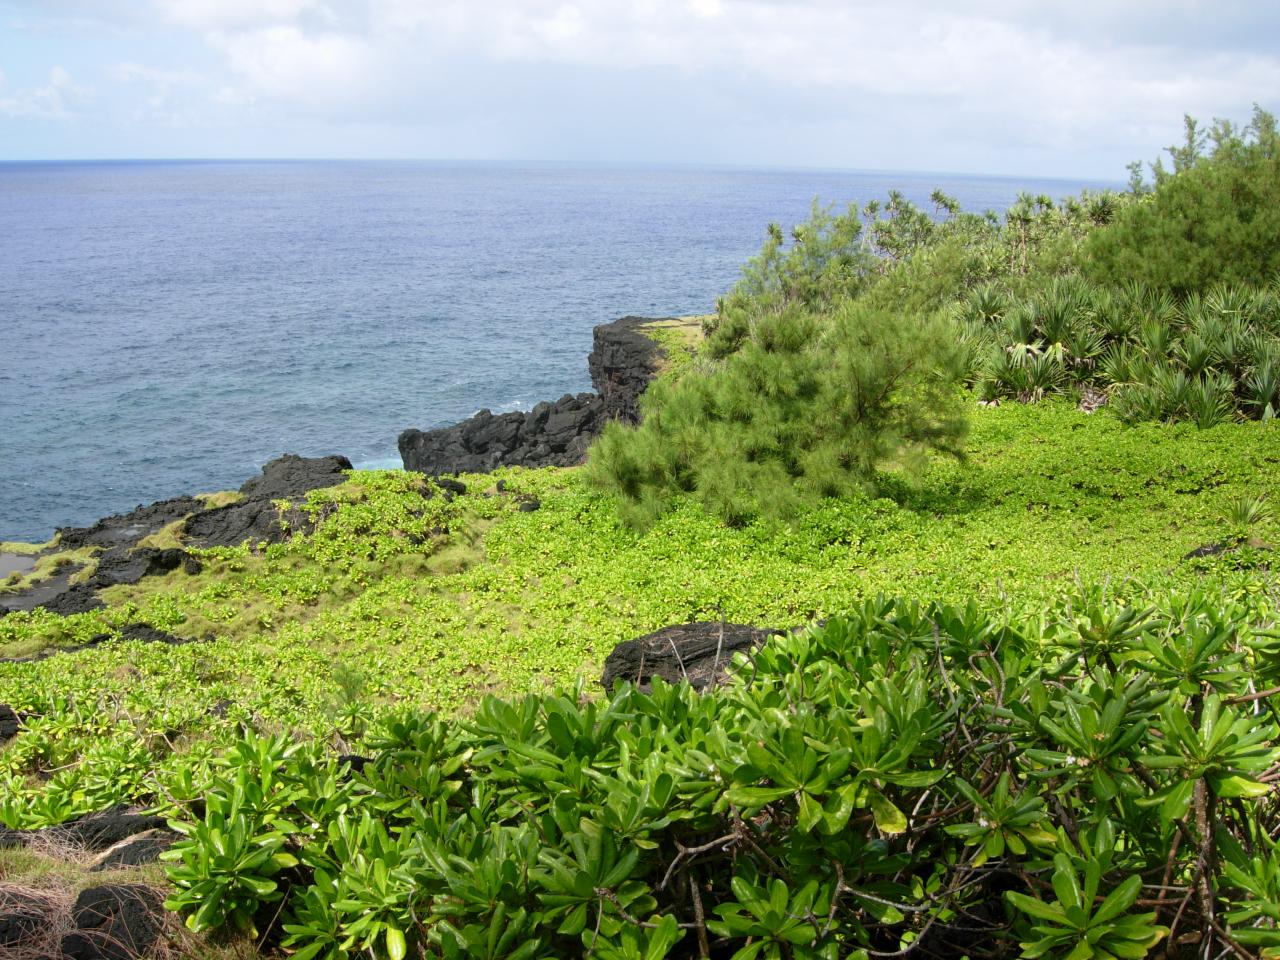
(66, 573)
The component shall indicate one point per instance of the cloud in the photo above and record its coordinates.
(59, 99)
(1048, 75)
(861, 82)
(233, 14)
(171, 96)
(327, 71)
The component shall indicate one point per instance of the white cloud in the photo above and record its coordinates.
(1056, 76)
(171, 97)
(233, 14)
(58, 99)
(284, 63)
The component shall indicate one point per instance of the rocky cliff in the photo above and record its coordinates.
(622, 362)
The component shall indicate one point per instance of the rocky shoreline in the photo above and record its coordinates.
(622, 362)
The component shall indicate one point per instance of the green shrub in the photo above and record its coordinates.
(806, 407)
(1214, 218)
(1086, 782)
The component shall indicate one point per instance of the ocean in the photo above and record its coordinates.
(168, 327)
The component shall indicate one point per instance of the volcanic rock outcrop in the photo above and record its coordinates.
(254, 517)
(622, 362)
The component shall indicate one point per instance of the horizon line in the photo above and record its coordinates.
(643, 164)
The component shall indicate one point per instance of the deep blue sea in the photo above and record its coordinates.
(167, 328)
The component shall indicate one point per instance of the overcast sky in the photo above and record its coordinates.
(1039, 87)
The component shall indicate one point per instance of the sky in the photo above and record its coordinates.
(1050, 88)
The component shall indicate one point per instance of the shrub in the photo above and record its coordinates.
(1086, 782)
(1214, 218)
(806, 407)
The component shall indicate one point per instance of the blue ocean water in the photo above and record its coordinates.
(168, 327)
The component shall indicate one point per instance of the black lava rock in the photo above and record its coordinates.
(105, 828)
(125, 565)
(80, 598)
(697, 652)
(622, 362)
(23, 919)
(255, 519)
(128, 528)
(9, 723)
(114, 922)
(252, 520)
(291, 477)
(135, 851)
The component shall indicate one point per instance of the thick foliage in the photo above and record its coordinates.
(872, 786)
(1205, 359)
(1215, 218)
(803, 408)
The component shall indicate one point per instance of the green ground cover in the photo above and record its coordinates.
(322, 633)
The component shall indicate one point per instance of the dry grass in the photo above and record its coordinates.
(53, 872)
(680, 338)
(223, 498)
(167, 537)
(53, 907)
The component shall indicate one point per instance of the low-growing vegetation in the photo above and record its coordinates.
(1086, 783)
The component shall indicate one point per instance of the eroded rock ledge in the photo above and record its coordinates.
(623, 360)
(123, 559)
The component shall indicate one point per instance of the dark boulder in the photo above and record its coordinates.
(24, 917)
(290, 477)
(125, 565)
(105, 828)
(80, 598)
(128, 528)
(9, 723)
(114, 922)
(142, 632)
(135, 851)
(549, 435)
(622, 362)
(255, 521)
(121, 561)
(697, 652)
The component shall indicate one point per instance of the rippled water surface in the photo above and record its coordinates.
(167, 328)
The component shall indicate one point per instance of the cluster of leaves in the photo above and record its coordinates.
(906, 777)
(800, 410)
(1203, 358)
